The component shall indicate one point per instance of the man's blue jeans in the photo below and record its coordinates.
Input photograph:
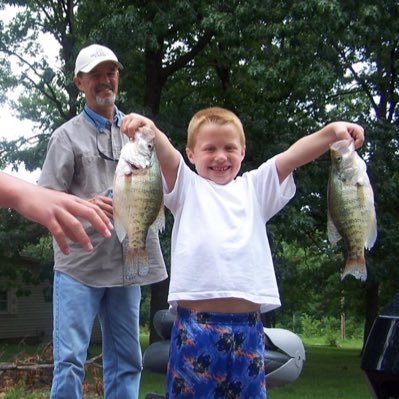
(75, 307)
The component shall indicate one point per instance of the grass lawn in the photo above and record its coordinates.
(328, 373)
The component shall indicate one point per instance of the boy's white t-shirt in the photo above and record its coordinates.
(220, 247)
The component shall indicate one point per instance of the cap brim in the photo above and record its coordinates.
(93, 64)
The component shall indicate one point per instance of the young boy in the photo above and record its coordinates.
(222, 275)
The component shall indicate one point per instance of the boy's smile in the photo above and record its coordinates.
(218, 152)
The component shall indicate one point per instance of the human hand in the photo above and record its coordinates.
(347, 130)
(131, 123)
(58, 212)
(104, 203)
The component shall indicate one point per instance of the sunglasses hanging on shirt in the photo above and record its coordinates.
(104, 140)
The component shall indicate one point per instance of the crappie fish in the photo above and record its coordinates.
(351, 213)
(137, 199)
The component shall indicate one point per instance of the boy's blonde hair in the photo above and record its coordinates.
(220, 116)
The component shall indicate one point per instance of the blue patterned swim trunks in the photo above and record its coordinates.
(216, 355)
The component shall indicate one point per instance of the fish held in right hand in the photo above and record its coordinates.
(351, 212)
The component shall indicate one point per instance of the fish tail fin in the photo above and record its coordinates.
(137, 263)
(356, 267)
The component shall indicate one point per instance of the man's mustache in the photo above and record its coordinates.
(104, 87)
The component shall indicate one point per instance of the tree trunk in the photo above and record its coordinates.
(371, 311)
(154, 81)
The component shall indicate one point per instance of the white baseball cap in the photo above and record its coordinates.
(89, 57)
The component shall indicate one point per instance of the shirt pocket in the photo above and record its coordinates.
(92, 175)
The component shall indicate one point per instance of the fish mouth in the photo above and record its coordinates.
(342, 146)
(132, 165)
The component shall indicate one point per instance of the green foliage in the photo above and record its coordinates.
(327, 329)
(331, 330)
(310, 326)
(353, 330)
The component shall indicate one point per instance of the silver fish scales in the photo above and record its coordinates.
(137, 199)
(351, 212)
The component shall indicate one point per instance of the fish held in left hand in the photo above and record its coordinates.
(351, 212)
(138, 199)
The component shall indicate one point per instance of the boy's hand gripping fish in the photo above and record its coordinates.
(137, 199)
(351, 213)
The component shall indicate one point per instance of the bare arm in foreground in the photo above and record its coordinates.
(57, 211)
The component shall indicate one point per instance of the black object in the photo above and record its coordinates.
(380, 359)
(284, 352)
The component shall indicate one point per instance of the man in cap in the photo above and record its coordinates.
(81, 159)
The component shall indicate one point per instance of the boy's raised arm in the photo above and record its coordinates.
(168, 156)
(310, 147)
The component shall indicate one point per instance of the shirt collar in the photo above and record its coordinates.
(99, 121)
